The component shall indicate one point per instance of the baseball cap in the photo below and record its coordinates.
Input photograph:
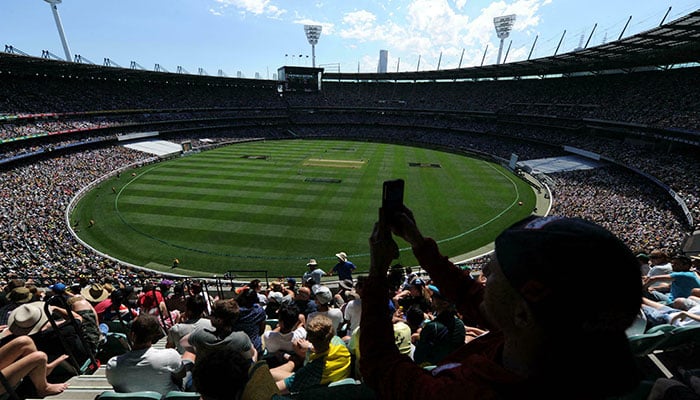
(436, 292)
(323, 294)
(58, 287)
(551, 251)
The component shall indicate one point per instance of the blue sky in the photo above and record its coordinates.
(258, 36)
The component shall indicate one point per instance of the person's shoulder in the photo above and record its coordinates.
(433, 327)
(300, 332)
(335, 311)
(166, 353)
(270, 334)
(201, 333)
(111, 363)
(238, 336)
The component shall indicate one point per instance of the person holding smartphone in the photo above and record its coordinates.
(542, 340)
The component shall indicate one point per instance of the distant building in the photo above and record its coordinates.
(383, 60)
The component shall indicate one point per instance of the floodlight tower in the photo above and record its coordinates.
(54, 7)
(313, 32)
(503, 26)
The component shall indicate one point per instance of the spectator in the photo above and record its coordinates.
(323, 298)
(314, 272)
(224, 374)
(116, 307)
(343, 268)
(152, 302)
(303, 301)
(660, 314)
(643, 259)
(342, 296)
(94, 293)
(292, 284)
(89, 320)
(327, 359)
(178, 299)
(16, 297)
(415, 293)
(32, 319)
(274, 301)
(289, 329)
(20, 358)
(224, 314)
(530, 345)
(251, 317)
(442, 335)
(257, 287)
(659, 264)
(682, 282)
(144, 367)
(353, 310)
(192, 319)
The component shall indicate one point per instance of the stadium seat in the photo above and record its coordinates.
(272, 322)
(665, 346)
(345, 392)
(645, 343)
(680, 337)
(346, 381)
(143, 395)
(180, 395)
(661, 328)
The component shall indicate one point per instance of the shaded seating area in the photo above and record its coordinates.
(664, 351)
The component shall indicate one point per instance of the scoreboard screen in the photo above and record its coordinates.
(300, 79)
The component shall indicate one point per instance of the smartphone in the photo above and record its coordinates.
(392, 195)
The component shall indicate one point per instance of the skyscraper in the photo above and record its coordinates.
(383, 60)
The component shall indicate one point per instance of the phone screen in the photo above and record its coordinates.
(392, 196)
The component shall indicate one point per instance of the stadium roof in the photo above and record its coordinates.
(23, 65)
(676, 42)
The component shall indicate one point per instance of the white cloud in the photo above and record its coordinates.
(427, 28)
(257, 7)
(361, 17)
(361, 26)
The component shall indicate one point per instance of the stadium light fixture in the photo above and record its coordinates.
(503, 26)
(313, 33)
(54, 7)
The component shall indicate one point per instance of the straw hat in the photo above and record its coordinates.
(20, 295)
(27, 319)
(95, 293)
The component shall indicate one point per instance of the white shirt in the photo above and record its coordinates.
(353, 312)
(178, 331)
(661, 269)
(333, 313)
(144, 369)
(275, 341)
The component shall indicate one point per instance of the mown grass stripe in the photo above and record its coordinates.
(215, 210)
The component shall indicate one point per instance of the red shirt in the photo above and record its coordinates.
(471, 372)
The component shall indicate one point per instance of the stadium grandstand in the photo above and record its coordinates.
(612, 132)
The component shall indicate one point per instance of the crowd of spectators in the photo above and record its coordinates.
(35, 241)
(619, 196)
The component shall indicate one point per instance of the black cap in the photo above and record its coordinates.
(557, 253)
